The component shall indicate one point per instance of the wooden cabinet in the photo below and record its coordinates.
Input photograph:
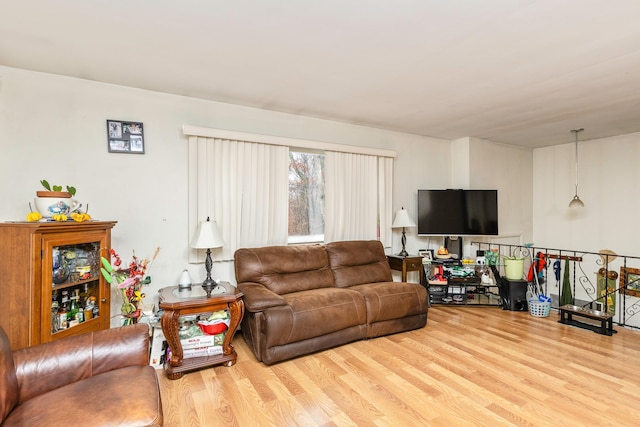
(42, 261)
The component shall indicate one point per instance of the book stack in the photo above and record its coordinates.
(202, 345)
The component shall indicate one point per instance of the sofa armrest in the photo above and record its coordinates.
(258, 297)
(49, 366)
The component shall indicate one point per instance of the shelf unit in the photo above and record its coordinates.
(461, 291)
(43, 260)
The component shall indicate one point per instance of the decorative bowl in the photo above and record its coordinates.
(213, 327)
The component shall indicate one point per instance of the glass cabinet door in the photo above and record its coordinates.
(74, 295)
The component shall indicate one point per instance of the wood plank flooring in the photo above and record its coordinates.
(470, 366)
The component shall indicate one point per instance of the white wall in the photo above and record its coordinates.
(481, 164)
(55, 128)
(608, 185)
(509, 169)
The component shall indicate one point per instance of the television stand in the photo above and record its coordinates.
(461, 290)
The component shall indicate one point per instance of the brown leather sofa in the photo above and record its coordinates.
(95, 379)
(305, 298)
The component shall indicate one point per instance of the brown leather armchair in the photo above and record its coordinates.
(95, 379)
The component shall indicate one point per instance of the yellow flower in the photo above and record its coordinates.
(34, 216)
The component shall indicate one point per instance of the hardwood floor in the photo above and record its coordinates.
(470, 366)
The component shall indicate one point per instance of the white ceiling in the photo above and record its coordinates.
(523, 72)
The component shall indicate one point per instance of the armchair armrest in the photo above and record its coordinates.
(258, 297)
(52, 365)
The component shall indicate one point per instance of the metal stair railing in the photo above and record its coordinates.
(602, 281)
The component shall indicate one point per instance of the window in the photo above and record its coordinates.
(241, 180)
(306, 197)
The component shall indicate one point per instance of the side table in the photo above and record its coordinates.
(405, 264)
(175, 303)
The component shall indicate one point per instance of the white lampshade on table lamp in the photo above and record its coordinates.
(207, 237)
(402, 220)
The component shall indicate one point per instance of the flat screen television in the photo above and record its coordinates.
(458, 212)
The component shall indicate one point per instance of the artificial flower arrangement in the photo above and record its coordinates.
(129, 281)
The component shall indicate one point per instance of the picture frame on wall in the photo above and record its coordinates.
(125, 137)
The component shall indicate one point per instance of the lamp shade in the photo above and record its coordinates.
(207, 236)
(402, 219)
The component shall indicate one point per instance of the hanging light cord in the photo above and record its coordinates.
(576, 131)
(576, 199)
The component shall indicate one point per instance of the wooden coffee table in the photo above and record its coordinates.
(175, 303)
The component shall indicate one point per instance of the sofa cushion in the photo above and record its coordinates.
(103, 402)
(357, 262)
(392, 300)
(284, 269)
(313, 313)
(8, 383)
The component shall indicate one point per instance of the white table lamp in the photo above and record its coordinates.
(207, 237)
(402, 220)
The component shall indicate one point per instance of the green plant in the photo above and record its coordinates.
(45, 184)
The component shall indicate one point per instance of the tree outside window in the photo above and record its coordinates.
(306, 197)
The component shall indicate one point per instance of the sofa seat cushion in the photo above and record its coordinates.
(392, 300)
(102, 402)
(313, 313)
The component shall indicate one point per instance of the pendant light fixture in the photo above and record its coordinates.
(576, 202)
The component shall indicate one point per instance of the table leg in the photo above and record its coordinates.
(236, 312)
(169, 323)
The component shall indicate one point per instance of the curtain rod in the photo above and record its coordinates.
(190, 130)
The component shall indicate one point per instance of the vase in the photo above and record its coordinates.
(130, 310)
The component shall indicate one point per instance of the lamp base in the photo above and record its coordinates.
(209, 285)
(403, 253)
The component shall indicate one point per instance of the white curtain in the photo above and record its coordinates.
(358, 197)
(385, 202)
(241, 185)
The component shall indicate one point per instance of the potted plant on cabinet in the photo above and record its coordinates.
(55, 203)
(55, 190)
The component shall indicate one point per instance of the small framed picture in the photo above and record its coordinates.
(125, 137)
(427, 254)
